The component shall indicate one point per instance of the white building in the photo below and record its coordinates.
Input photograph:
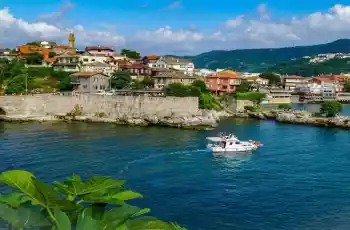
(99, 67)
(184, 65)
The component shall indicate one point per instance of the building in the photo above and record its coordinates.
(24, 50)
(223, 82)
(257, 81)
(294, 82)
(137, 70)
(71, 40)
(103, 51)
(164, 77)
(67, 62)
(99, 67)
(90, 82)
(175, 63)
(279, 96)
(151, 61)
(7, 54)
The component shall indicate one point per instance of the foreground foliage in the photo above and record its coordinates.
(93, 204)
(330, 108)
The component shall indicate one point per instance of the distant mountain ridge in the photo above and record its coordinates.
(258, 60)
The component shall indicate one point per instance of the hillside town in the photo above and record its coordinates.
(100, 70)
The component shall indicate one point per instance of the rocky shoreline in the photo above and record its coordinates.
(207, 120)
(297, 117)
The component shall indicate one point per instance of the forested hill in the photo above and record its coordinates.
(258, 60)
(303, 67)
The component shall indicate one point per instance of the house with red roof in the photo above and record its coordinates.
(223, 82)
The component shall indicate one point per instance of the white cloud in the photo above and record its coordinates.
(239, 32)
(262, 10)
(234, 23)
(16, 31)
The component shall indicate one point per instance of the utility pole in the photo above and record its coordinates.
(26, 84)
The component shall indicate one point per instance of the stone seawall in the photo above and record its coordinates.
(172, 111)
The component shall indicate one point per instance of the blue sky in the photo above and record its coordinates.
(181, 27)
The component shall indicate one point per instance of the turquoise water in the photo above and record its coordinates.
(298, 180)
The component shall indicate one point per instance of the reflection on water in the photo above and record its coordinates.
(231, 160)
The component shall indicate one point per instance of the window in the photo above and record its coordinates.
(92, 59)
(224, 86)
(84, 86)
(96, 87)
(85, 60)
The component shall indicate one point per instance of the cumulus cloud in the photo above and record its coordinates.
(234, 23)
(236, 33)
(15, 31)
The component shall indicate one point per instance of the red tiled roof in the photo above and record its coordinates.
(136, 66)
(323, 78)
(88, 48)
(84, 74)
(294, 77)
(153, 57)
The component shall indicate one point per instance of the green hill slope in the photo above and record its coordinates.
(257, 60)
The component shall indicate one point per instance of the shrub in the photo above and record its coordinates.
(96, 203)
(330, 108)
(285, 106)
(100, 114)
(255, 97)
(77, 111)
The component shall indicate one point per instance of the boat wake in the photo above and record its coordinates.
(127, 166)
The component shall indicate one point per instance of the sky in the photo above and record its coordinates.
(181, 27)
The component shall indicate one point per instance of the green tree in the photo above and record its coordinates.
(121, 79)
(148, 82)
(273, 78)
(255, 97)
(245, 86)
(347, 86)
(201, 85)
(98, 203)
(34, 43)
(330, 108)
(52, 54)
(34, 58)
(19, 83)
(130, 53)
(285, 106)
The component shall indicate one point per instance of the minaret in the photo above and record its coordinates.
(71, 40)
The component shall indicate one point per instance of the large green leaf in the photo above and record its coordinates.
(23, 217)
(62, 220)
(112, 196)
(27, 183)
(13, 199)
(119, 216)
(152, 224)
(75, 187)
(87, 222)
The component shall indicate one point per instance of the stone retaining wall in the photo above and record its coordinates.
(111, 106)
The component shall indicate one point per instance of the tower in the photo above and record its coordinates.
(71, 40)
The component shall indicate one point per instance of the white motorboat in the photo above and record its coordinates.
(230, 143)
